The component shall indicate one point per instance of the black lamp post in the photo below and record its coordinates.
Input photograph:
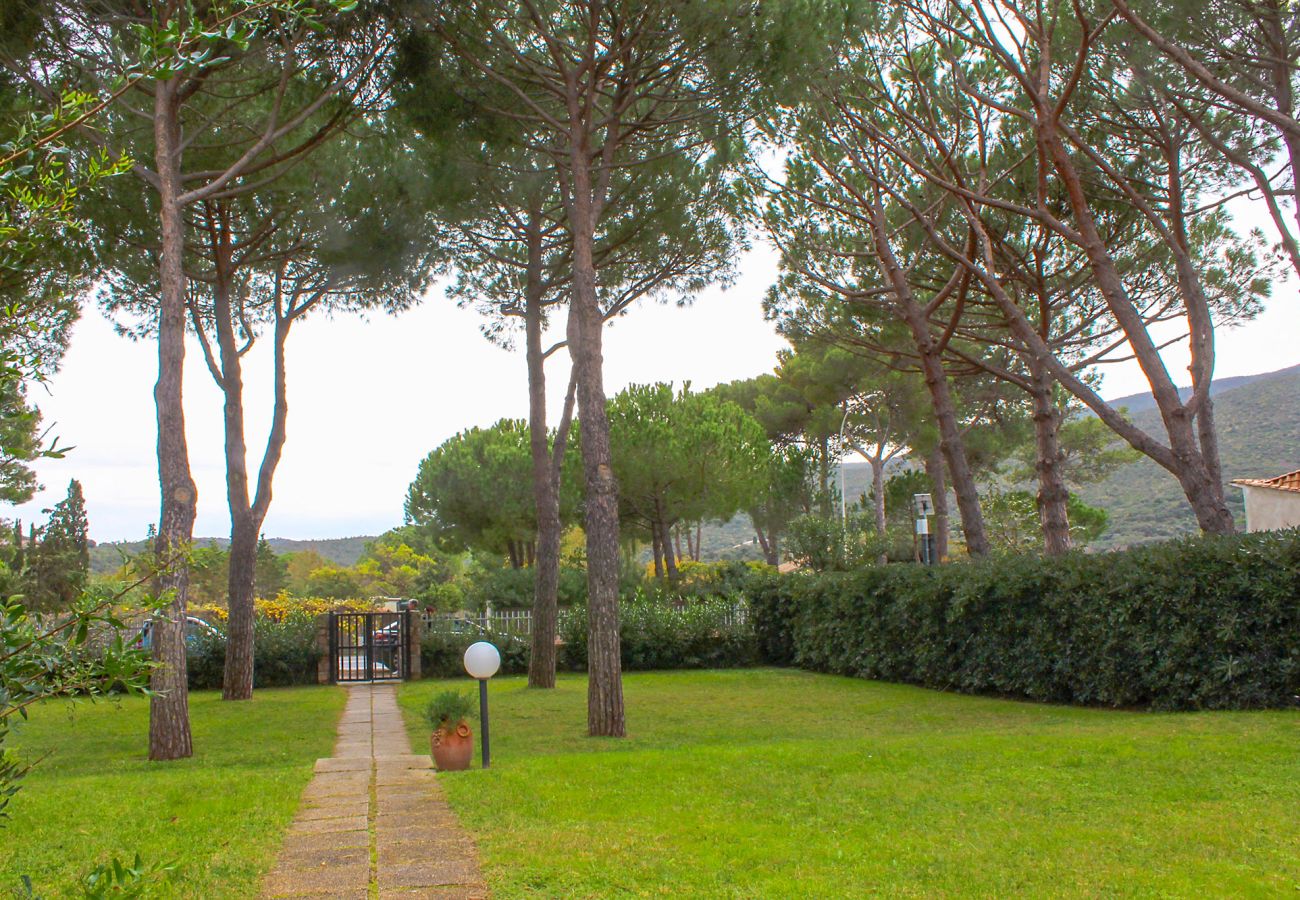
(482, 661)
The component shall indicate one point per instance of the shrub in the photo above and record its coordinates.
(659, 634)
(1199, 623)
(442, 652)
(448, 708)
(284, 653)
(716, 579)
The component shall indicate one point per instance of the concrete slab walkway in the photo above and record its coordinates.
(373, 822)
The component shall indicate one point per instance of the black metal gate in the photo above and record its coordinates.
(368, 646)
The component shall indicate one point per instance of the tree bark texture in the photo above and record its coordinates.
(1191, 460)
(546, 494)
(605, 713)
(936, 382)
(169, 718)
(1053, 496)
(246, 514)
(939, 494)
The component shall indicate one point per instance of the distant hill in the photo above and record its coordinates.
(1259, 435)
(107, 557)
(1136, 403)
(1258, 420)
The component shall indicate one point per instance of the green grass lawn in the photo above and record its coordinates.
(775, 783)
(220, 814)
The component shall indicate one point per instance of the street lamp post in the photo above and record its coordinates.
(482, 661)
(924, 507)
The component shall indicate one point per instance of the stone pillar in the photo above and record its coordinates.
(414, 634)
(325, 666)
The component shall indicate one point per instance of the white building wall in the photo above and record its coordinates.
(1268, 509)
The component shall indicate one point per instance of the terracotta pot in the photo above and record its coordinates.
(453, 748)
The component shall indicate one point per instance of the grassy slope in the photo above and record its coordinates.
(787, 784)
(220, 813)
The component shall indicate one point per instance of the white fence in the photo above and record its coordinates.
(507, 621)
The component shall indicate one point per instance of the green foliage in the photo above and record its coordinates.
(389, 567)
(448, 709)
(20, 442)
(442, 651)
(270, 572)
(506, 588)
(1204, 623)
(476, 491)
(834, 545)
(285, 653)
(655, 633)
(1013, 525)
(683, 457)
(77, 653)
(50, 566)
(1091, 452)
(724, 580)
(116, 878)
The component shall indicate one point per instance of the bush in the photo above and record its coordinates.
(659, 634)
(448, 709)
(284, 653)
(1200, 623)
(442, 652)
(726, 579)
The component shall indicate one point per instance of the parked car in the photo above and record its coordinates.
(195, 628)
(387, 636)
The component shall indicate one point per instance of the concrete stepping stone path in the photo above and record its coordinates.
(373, 822)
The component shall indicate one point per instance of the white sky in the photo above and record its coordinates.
(368, 399)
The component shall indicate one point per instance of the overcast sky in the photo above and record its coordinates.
(368, 399)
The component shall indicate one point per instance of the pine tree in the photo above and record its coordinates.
(61, 560)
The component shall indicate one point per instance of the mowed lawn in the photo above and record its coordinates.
(775, 783)
(220, 815)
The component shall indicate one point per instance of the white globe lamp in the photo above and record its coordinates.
(482, 661)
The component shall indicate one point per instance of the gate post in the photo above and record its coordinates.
(324, 645)
(414, 634)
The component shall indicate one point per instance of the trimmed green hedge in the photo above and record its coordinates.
(655, 634)
(284, 653)
(442, 653)
(1200, 623)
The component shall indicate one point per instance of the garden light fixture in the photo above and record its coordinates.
(482, 661)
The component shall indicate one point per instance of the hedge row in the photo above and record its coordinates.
(442, 653)
(1200, 623)
(284, 653)
(654, 634)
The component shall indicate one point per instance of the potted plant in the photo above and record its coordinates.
(451, 741)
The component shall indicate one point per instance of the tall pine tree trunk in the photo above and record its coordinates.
(1053, 496)
(237, 680)
(605, 714)
(246, 516)
(936, 382)
(546, 495)
(939, 495)
(670, 557)
(169, 716)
